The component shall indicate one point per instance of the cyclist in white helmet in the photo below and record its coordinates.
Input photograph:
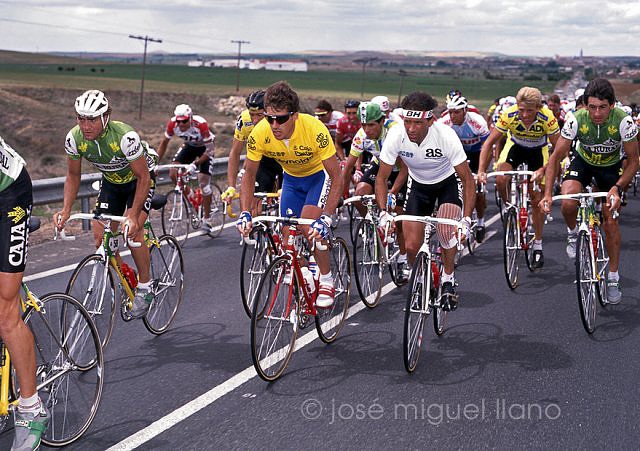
(127, 185)
(385, 106)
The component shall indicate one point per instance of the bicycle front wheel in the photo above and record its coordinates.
(69, 366)
(368, 264)
(92, 284)
(511, 248)
(216, 216)
(602, 265)
(329, 321)
(176, 216)
(274, 319)
(416, 311)
(253, 264)
(586, 282)
(167, 283)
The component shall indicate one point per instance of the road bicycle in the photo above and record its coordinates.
(374, 249)
(185, 206)
(518, 224)
(69, 364)
(592, 261)
(259, 251)
(284, 302)
(425, 288)
(99, 283)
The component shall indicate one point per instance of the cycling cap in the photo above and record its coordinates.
(457, 102)
(369, 112)
(182, 112)
(255, 101)
(578, 93)
(383, 101)
(351, 103)
(92, 103)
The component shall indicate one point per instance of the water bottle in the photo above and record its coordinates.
(313, 267)
(308, 279)
(129, 274)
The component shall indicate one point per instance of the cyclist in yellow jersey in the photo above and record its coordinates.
(311, 186)
(530, 127)
(269, 176)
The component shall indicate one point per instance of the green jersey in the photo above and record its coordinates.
(111, 153)
(600, 145)
(11, 165)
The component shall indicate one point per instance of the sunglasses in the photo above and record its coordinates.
(182, 121)
(280, 119)
(321, 113)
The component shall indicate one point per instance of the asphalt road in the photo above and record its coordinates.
(515, 369)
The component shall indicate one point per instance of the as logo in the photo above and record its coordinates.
(322, 140)
(433, 153)
(17, 214)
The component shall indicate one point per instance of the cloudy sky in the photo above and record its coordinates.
(515, 27)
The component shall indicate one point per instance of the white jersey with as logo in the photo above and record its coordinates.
(430, 162)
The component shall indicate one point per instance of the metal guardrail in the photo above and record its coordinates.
(48, 191)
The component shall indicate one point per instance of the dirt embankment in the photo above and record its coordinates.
(35, 121)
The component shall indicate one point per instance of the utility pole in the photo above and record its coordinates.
(364, 62)
(403, 73)
(144, 62)
(238, 67)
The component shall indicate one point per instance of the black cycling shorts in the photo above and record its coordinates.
(421, 198)
(369, 177)
(15, 210)
(535, 157)
(188, 154)
(474, 159)
(605, 177)
(114, 199)
(269, 176)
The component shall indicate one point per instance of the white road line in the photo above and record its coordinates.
(206, 399)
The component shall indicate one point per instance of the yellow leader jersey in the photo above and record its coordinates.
(302, 154)
(244, 125)
(534, 136)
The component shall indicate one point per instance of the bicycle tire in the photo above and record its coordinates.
(416, 310)
(176, 216)
(528, 237)
(393, 252)
(254, 262)
(275, 312)
(216, 215)
(96, 292)
(69, 366)
(586, 284)
(167, 277)
(354, 222)
(368, 264)
(329, 321)
(511, 248)
(440, 315)
(602, 265)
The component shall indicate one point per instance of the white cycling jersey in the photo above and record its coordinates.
(430, 162)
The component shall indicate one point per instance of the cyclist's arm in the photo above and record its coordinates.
(162, 148)
(338, 143)
(346, 172)
(384, 170)
(401, 179)
(631, 150)
(335, 191)
(487, 146)
(234, 162)
(248, 184)
(468, 187)
(561, 150)
(143, 183)
(71, 185)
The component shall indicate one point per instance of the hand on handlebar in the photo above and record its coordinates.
(228, 194)
(244, 223)
(545, 204)
(320, 228)
(60, 218)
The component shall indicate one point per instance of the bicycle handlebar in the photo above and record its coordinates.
(359, 198)
(428, 220)
(291, 221)
(103, 218)
(173, 165)
(578, 196)
(497, 173)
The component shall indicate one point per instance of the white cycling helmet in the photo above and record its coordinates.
(92, 103)
(578, 93)
(383, 101)
(457, 102)
(182, 112)
(508, 101)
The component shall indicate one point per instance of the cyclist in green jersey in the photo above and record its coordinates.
(602, 131)
(127, 185)
(16, 198)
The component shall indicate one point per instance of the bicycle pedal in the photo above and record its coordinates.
(304, 321)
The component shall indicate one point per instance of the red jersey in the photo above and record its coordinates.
(347, 128)
(197, 135)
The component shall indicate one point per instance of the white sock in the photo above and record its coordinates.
(29, 405)
(326, 278)
(481, 222)
(145, 285)
(572, 232)
(402, 258)
(614, 276)
(447, 277)
(537, 245)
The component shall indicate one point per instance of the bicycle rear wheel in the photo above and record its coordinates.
(274, 320)
(92, 284)
(167, 279)
(253, 264)
(176, 216)
(216, 216)
(511, 248)
(416, 311)
(69, 366)
(586, 282)
(368, 264)
(329, 321)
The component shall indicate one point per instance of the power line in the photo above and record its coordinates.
(238, 68)
(144, 62)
